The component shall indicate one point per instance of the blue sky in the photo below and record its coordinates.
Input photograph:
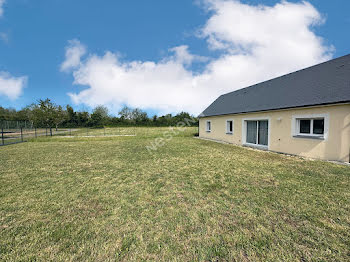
(34, 37)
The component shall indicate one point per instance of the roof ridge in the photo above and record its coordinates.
(272, 79)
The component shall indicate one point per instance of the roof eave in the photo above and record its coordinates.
(275, 109)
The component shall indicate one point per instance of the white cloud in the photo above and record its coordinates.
(183, 56)
(74, 52)
(4, 37)
(160, 86)
(2, 2)
(10, 86)
(256, 43)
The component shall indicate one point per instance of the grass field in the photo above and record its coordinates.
(110, 199)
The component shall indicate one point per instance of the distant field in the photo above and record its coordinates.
(111, 199)
(125, 131)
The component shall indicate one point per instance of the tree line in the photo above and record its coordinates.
(46, 113)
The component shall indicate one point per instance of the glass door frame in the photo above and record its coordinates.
(245, 130)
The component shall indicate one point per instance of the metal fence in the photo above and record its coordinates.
(100, 132)
(12, 132)
(10, 124)
(21, 134)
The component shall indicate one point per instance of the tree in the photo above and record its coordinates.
(46, 114)
(43, 113)
(126, 113)
(59, 116)
(185, 117)
(24, 114)
(4, 113)
(99, 116)
(154, 119)
(139, 116)
(83, 118)
(72, 117)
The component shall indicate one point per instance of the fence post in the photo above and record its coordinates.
(21, 134)
(35, 132)
(50, 131)
(2, 136)
(87, 131)
(46, 131)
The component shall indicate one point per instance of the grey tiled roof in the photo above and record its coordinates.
(326, 83)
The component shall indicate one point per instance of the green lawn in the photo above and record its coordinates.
(110, 199)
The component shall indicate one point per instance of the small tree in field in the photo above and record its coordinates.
(46, 114)
(43, 113)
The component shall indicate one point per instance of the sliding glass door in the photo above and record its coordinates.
(258, 132)
(251, 132)
(263, 134)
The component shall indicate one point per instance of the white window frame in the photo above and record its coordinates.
(296, 126)
(206, 126)
(244, 132)
(228, 132)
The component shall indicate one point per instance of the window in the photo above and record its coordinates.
(305, 126)
(318, 127)
(314, 126)
(229, 126)
(257, 132)
(208, 126)
(311, 127)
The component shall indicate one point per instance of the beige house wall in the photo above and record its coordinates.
(335, 146)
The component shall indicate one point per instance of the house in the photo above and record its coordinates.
(304, 113)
